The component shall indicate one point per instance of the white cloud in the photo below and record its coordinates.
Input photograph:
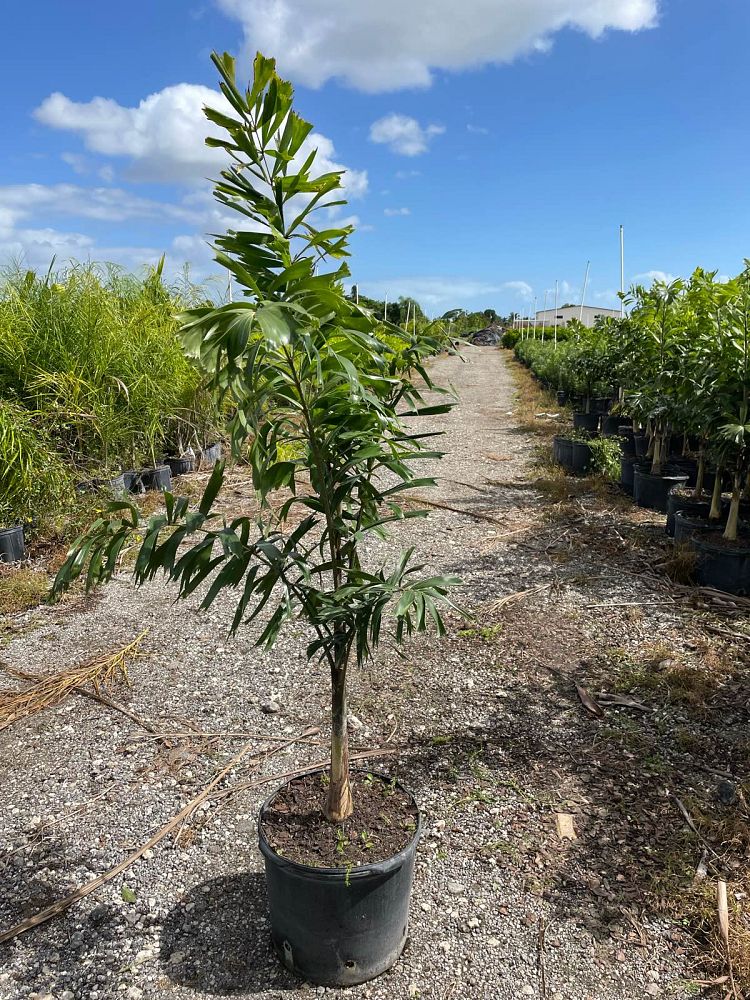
(648, 277)
(403, 135)
(521, 289)
(389, 44)
(163, 137)
(431, 291)
(477, 129)
(106, 204)
(404, 175)
(396, 211)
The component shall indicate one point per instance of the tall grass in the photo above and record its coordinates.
(92, 379)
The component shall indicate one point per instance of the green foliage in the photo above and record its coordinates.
(318, 397)
(94, 378)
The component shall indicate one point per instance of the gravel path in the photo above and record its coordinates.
(502, 907)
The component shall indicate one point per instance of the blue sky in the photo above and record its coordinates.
(493, 146)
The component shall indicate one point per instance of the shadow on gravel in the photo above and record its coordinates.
(217, 939)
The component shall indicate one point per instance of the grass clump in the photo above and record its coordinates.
(21, 589)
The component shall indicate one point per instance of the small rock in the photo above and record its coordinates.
(270, 707)
(653, 990)
(445, 946)
(456, 888)
(134, 993)
(354, 722)
(527, 991)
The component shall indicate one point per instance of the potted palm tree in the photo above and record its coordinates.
(319, 390)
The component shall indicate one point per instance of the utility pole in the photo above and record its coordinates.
(385, 310)
(622, 269)
(535, 302)
(557, 280)
(583, 293)
(544, 313)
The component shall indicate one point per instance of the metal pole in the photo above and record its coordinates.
(385, 310)
(408, 312)
(622, 269)
(356, 294)
(583, 293)
(535, 302)
(544, 313)
(556, 284)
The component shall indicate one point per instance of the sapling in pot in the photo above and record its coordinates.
(319, 390)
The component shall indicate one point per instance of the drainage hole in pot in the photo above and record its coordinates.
(350, 964)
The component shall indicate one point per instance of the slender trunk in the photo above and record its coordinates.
(656, 463)
(715, 512)
(698, 491)
(730, 532)
(747, 486)
(339, 805)
(685, 443)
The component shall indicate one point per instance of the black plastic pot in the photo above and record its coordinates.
(601, 404)
(12, 548)
(180, 466)
(211, 454)
(628, 465)
(611, 425)
(562, 451)
(586, 421)
(688, 506)
(687, 525)
(562, 397)
(581, 458)
(652, 491)
(723, 565)
(641, 445)
(687, 465)
(338, 926)
(625, 431)
(158, 478)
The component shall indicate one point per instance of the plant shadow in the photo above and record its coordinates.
(217, 939)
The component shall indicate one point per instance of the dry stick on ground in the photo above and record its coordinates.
(51, 689)
(477, 515)
(85, 890)
(723, 911)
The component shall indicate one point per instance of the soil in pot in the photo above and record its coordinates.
(652, 491)
(721, 563)
(354, 878)
(586, 421)
(12, 547)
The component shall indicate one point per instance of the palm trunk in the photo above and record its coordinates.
(730, 532)
(339, 805)
(698, 491)
(715, 512)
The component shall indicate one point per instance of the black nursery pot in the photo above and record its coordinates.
(723, 565)
(641, 445)
(611, 425)
(156, 479)
(687, 465)
(12, 548)
(338, 926)
(562, 452)
(625, 431)
(586, 421)
(628, 465)
(179, 466)
(211, 454)
(685, 505)
(687, 525)
(562, 397)
(581, 458)
(652, 491)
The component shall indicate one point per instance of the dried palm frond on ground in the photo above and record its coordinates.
(96, 673)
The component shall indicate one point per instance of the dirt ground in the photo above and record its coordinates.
(579, 749)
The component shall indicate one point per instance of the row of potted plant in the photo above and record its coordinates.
(676, 371)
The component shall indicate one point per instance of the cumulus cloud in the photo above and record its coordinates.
(433, 292)
(649, 277)
(106, 204)
(390, 44)
(163, 137)
(522, 289)
(404, 135)
(396, 211)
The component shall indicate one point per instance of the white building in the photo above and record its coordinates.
(546, 317)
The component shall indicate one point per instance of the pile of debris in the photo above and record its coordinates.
(489, 337)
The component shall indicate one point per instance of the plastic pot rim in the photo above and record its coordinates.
(741, 547)
(359, 871)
